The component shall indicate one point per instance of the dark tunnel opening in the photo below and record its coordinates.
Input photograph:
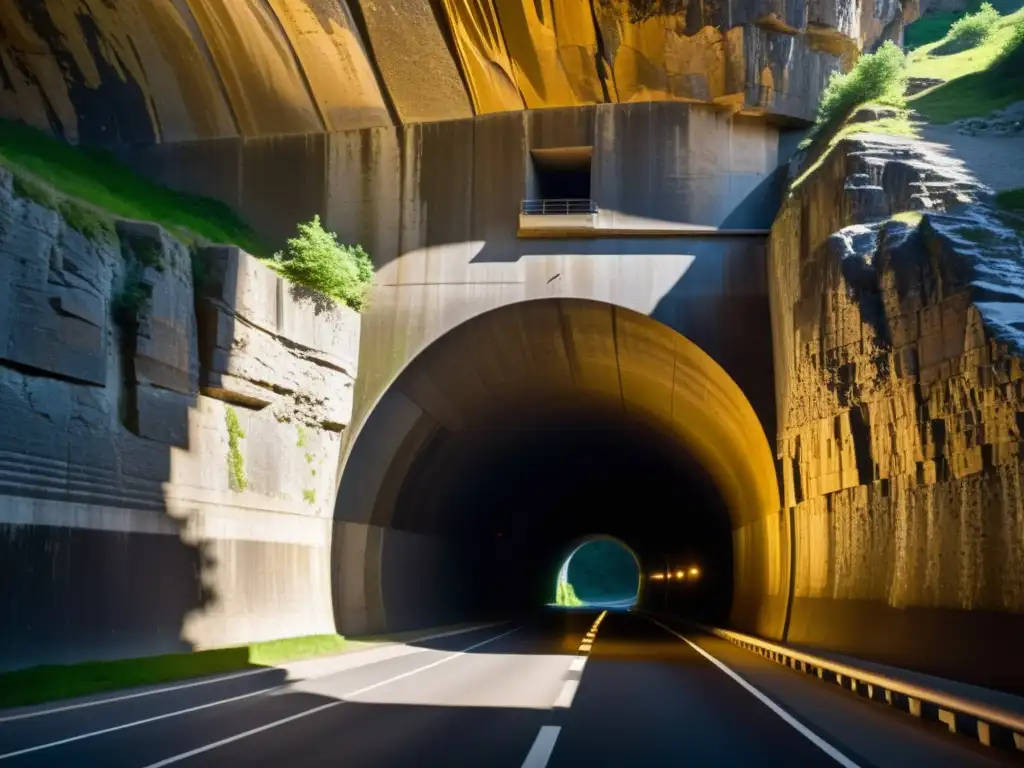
(486, 462)
(519, 497)
(602, 571)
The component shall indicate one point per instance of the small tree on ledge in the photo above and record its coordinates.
(315, 259)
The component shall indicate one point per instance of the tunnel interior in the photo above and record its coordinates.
(523, 431)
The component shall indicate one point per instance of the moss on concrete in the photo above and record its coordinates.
(236, 465)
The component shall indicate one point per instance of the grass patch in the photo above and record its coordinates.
(933, 27)
(303, 440)
(28, 189)
(566, 595)
(978, 81)
(236, 465)
(970, 31)
(879, 77)
(316, 260)
(91, 223)
(897, 125)
(98, 179)
(51, 682)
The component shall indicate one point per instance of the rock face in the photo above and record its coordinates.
(182, 71)
(167, 460)
(898, 345)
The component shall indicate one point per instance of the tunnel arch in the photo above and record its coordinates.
(565, 377)
(563, 569)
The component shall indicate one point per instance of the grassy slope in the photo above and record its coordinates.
(932, 27)
(99, 181)
(47, 683)
(972, 88)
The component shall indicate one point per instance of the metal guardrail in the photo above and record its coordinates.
(989, 724)
(558, 207)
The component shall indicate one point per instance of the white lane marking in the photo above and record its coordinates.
(89, 735)
(802, 729)
(565, 696)
(83, 705)
(276, 723)
(577, 664)
(543, 746)
(225, 678)
(155, 718)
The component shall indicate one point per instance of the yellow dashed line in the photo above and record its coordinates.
(591, 636)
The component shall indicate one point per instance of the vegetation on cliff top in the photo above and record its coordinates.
(978, 80)
(316, 259)
(98, 180)
(933, 27)
(878, 78)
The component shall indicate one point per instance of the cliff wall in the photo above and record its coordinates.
(898, 383)
(168, 453)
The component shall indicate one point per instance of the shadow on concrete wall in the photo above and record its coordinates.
(94, 564)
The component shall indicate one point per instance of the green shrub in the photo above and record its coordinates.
(309, 496)
(1012, 56)
(236, 466)
(879, 77)
(96, 227)
(316, 260)
(970, 31)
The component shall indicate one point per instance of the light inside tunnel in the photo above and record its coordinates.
(601, 571)
(518, 432)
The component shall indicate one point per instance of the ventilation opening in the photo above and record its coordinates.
(562, 174)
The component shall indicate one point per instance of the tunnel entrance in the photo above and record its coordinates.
(600, 572)
(512, 436)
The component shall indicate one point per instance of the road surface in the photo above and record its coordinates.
(563, 689)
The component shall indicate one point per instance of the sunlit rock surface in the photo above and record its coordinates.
(898, 346)
(150, 71)
(123, 529)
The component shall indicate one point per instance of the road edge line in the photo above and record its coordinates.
(799, 727)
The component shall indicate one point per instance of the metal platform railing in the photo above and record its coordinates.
(558, 207)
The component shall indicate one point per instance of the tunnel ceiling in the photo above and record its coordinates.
(143, 71)
(559, 394)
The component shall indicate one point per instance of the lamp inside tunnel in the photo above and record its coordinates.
(523, 430)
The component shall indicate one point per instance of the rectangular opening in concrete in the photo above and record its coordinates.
(562, 173)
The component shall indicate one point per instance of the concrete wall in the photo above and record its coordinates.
(898, 365)
(122, 529)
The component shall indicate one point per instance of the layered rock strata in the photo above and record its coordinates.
(898, 308)
(167, 455)
(148, 71)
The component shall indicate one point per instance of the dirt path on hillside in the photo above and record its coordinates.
(996, 161)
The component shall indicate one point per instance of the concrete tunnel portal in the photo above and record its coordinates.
(527, 428)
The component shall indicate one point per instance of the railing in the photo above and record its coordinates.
(558, 207)
(991, 725)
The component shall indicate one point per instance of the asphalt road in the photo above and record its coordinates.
(525, 696)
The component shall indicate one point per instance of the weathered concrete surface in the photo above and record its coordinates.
(897, 359)
(147, 71)
(121, 530)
